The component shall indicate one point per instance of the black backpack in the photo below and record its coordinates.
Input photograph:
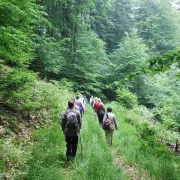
(101, 110)
(72, 122)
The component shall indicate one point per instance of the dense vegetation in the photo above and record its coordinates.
(125, 51)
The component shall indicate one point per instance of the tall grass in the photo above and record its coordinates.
(96, 161)
(162, 165)
(47, 154)
(47, 150)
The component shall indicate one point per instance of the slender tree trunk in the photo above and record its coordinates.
(74, 33)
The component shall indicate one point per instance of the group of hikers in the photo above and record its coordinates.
(71, 122)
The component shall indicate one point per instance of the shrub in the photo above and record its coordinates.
(126, 98)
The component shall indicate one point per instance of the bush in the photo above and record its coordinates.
(126, 98)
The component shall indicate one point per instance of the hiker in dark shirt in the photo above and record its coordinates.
(100, 114)
(71, 124)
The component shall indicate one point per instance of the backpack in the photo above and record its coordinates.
(101, 111)
(72, 122)
(107, 123)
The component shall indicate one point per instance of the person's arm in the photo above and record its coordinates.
(105, 117)
(78, 118)
(82, 107)
(63, 121)
(115, 123)
(104, 110)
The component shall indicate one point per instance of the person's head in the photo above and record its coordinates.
(99, 100)
(102, 104)
(77, 97)
(109, 109)
(70, 104)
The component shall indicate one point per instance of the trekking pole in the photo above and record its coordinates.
(81, 146)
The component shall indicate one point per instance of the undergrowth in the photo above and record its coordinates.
(47, 154)
(138, 145)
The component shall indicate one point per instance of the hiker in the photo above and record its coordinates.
(85, 100)
(75, 106)
(109, 124)
(97, 104)
(80, 105)
(91, 100)
(71, 124)
(100, 114)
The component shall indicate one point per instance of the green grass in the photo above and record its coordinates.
(47, 160)
(47, 154)
(155, 159)
(96, 161)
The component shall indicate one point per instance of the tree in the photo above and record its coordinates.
(157, 24)
(164, 94)
(130, 54)
(18, 21)
(112, 23)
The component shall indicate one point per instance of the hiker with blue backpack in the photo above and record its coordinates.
(109, 125)
(71, 125)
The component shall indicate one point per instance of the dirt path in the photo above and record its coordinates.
(67, 170)
(131, 171)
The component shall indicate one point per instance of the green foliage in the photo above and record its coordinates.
(49, 58)
(130, 54)
(157, 23)
(10, 159)
(126, 98)
(16, 32)
(16, 87)
(111, 19)
(41, 102)
(145, 131)
(16, 47)
(148, 154)
(90, 63)
(164, 94)
(22, 93)
(163, 63)
(47, 154)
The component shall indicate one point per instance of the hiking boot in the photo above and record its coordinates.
(68, 159)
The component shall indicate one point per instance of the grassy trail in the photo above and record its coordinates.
(129, 158)
(96, 159)
(129, 170)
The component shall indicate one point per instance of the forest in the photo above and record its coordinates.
(126, 52)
